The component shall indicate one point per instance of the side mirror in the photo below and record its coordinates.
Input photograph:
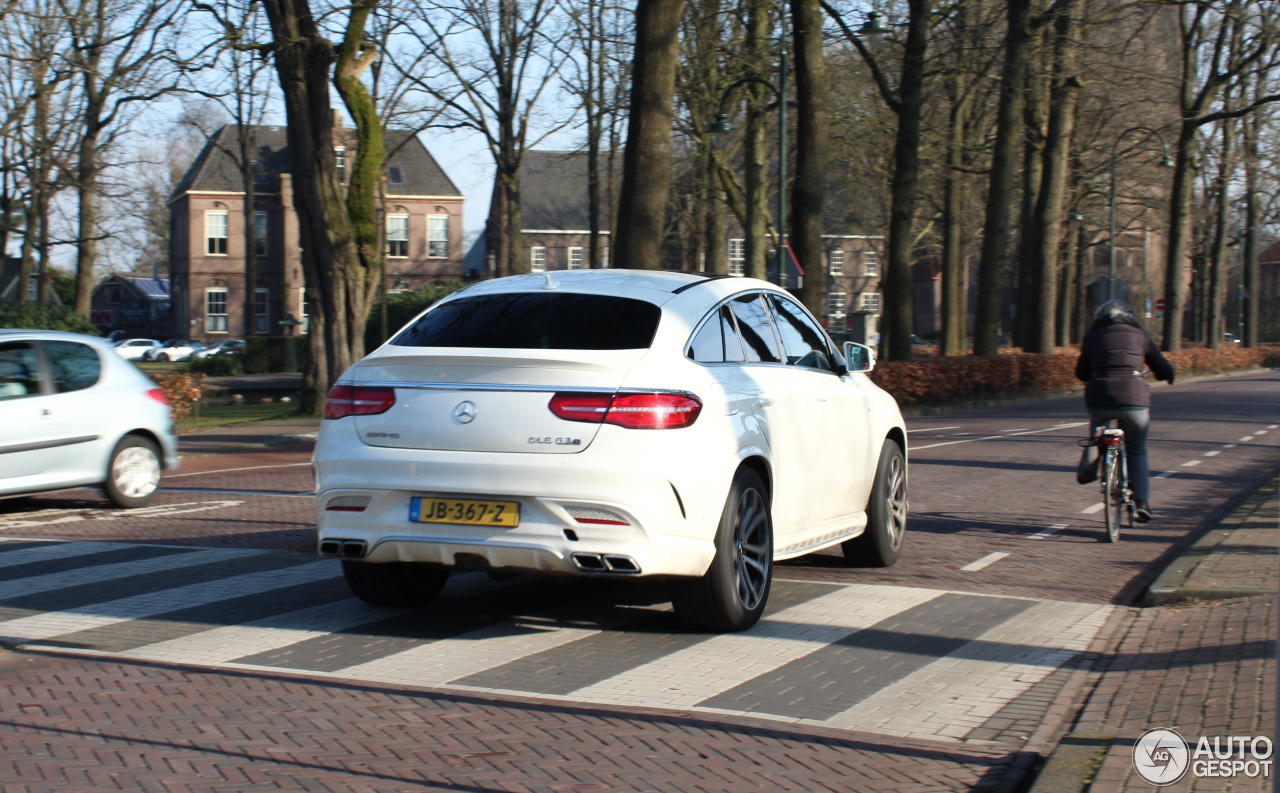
(859, 357)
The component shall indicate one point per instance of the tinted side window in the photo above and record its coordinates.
(75, 366)
(717, 342)
(19, 371)
(757, 331)
(536, 321)
(804, 342)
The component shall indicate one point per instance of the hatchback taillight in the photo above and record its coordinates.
(637, 411)
(158, 396)
(345, 400)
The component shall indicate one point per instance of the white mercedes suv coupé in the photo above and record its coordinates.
(610, 423)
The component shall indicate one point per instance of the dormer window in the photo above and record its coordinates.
(395, 175)
(260, 178)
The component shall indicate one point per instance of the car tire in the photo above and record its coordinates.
(162, 358)
(399, 584)
(733, 592)
(880, 545)
(133, 472)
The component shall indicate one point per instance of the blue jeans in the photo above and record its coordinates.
(1135, 422)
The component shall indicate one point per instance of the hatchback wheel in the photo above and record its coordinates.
(163, 357)
(133, 475)
(732, 594)
(881, 544)
(399, 584)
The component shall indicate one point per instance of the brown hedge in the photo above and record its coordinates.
(962, 378)
(181, 389)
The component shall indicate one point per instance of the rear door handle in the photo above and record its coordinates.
(765, 400)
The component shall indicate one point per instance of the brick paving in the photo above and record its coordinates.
(1200, 668)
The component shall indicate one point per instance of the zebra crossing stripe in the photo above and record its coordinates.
(833, 678)
(48, 625)
(685, 678)
(956, 694)
(161, 559)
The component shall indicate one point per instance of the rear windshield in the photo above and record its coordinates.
(536, 321)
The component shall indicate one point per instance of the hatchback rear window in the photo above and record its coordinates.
(536, 321)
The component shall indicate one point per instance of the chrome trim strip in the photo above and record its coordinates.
(497, 387)
(31, 447)
(522, 546)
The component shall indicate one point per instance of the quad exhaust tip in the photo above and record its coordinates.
(345, 549)
(605, 563)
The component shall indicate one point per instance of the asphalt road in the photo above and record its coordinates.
(972, 647)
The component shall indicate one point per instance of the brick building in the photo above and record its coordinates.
(423, 231)
(138, 305)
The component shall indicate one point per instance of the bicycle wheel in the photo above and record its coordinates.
(1130, 508)
(1113, 495)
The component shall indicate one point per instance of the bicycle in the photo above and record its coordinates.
(1113, 474)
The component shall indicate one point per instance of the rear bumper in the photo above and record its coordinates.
(671, 514)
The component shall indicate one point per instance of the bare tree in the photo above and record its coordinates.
(812, 128)
(488, 71)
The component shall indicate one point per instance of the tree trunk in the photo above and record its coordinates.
(896, 327)
(1253, 212)
(954, 302)
(646, 165)
(755, 154)
(1047, 228)
(1221, 231)
(1176, 260)
(812, 128)
(1066, 290)
(995, 232)
(87, 172)
(303, 61)
(1035, 114)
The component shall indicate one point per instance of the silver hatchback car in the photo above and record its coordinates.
(74, 414)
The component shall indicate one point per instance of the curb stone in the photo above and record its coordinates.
(1170, 586)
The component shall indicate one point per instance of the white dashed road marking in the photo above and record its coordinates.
(1055, 528)
(989, 559)
(1165, 474)
(1095, 508)
(998, 437)
(233, 470)
(1260, 432)
(1246, 439)
(1228, 446)
(932, 429)
(1191, 463)
(1272, 426)
(1213, 453)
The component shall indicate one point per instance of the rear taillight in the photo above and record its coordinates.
(656, 411)
(345, 400)
(158, 396)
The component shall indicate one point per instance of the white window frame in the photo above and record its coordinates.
(262, 310)
(215, 321)
(212, 239)
(871, 262)
(604, 257)
(869, 302)
(340, 162)
(260, 233)
(835, 262)
(537, 259)
(837, 305)
(575, 259)
(737, 252)
(437, 237)
(397, 243)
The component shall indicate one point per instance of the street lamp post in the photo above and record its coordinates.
(1115, 150)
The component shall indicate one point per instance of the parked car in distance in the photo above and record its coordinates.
(224, 347)
(610, 423)
(1230, 338)
(73, 414)
(173, 350)
(133, 349)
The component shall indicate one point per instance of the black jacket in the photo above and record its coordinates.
(1112, 357)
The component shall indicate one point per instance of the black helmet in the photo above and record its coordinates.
(1116, 311)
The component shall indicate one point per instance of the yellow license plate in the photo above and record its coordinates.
(464, 511)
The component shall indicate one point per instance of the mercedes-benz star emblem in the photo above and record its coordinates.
(464, 413)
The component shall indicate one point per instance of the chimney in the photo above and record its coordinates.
(337, 119)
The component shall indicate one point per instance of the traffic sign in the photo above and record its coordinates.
(1159, 306)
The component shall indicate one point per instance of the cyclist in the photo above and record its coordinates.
(1112, 358)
